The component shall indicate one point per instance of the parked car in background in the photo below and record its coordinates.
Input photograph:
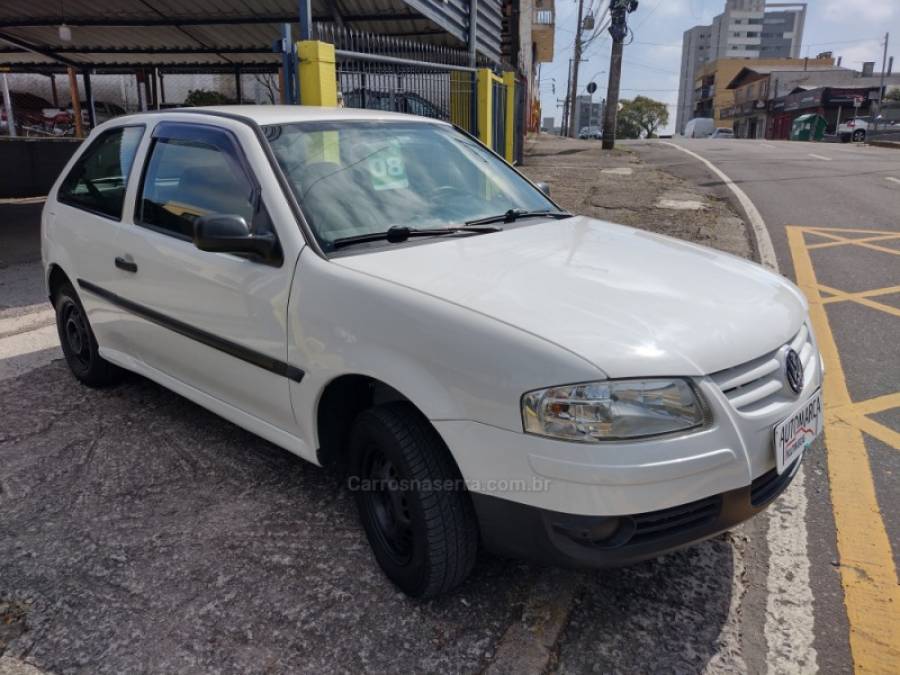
(103, 111)
(699, 127)
(591, 132)
(722, 132)
(854, 129)
(29, 112)
(383, 294)
(403, 101)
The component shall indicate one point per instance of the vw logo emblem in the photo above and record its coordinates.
(793, 370)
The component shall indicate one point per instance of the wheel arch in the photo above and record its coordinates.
(56, 277)
(339, 402)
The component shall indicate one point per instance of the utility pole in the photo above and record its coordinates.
(618, 29)
(887, 37)
(573, 84)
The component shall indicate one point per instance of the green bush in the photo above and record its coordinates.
(205, 97)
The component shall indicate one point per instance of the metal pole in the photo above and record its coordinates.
(89, 98)
(287, 80)
(76, 102)
(7, 103)
(473, 33)
(306, 18)
(238, 91)
(881, 84)
(575, 63)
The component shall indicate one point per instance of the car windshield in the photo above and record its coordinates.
(363, 177)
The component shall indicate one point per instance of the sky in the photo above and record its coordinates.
(853, 29)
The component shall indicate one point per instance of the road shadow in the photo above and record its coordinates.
(147, 534)
(20, 233)
(668, 615)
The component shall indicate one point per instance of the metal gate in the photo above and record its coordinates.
(385, 73)
(498, 122)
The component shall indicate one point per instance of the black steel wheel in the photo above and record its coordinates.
(78, 342)
(412, 502)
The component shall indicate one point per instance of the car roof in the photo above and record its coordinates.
(286, 114)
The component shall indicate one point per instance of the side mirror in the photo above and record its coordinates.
(543, 187)
(229, 233)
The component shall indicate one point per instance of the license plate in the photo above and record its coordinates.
(794, 434)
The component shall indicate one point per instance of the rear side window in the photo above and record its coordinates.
(191, 177)
(97, 181)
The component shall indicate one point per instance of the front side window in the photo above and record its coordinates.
(191, 177)
(363, 177)
(98, 180)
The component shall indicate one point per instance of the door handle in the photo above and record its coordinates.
(126, 264)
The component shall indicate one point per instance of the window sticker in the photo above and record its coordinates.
(387, 169)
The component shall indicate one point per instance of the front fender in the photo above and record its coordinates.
(451, 362)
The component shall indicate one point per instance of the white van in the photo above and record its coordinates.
(699, 127)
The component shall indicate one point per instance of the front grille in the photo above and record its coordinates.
(667, 522)
(768, 486)
(758, 384)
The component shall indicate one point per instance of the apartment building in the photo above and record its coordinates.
(746, 29)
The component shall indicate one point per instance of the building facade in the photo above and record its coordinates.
(712, 95)
(746, 29)
(767, 100)
(587, 113)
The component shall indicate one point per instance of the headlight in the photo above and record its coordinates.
(615, 409)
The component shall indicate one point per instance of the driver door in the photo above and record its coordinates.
(214, 321)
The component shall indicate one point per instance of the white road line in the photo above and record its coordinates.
(789, 599)
(789, 625)
(22, 352)
(892, 179)
(822, 157)
(760, 233)
(768, 145)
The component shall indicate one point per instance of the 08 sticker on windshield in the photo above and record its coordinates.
(387, 170)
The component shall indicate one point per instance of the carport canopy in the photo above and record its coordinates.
(207, 35)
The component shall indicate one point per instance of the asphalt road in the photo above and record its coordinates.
(833, 214)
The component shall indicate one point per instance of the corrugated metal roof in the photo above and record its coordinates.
(214, 32)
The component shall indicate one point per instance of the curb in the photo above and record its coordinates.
(529, 645)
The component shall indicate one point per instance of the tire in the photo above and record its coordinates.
(78, 342)
(425, 538)
(859, 135)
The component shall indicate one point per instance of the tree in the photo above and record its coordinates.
(641, 116)
(892, 95)
(205, 97)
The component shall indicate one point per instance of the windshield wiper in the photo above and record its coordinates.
(514, 214)
(397, 234)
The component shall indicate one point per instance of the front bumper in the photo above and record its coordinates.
(549, 537)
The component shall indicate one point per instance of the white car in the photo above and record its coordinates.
(854, 129)
(722, 132)
(488, 369)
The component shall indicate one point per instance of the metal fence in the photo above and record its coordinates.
(387, 73)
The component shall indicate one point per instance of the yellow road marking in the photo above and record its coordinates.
(839, 296)
(857, 242)
(861, 298)
(843, 241)
(868, 577)
(878, 404)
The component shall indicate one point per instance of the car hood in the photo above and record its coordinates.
(633, 303)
